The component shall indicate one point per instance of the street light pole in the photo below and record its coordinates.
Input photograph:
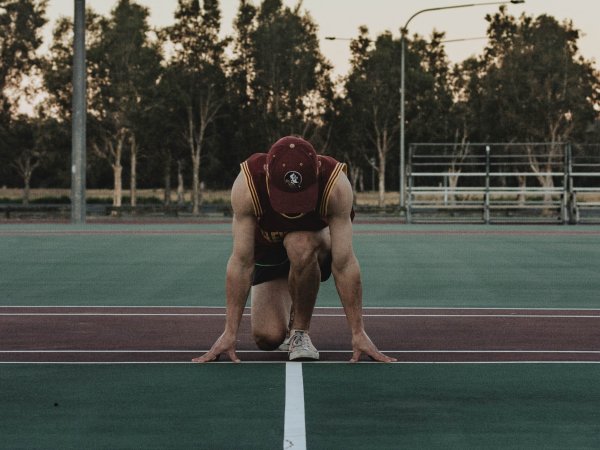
(78, 145)
(403, 32)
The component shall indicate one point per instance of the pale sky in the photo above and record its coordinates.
(342, 18)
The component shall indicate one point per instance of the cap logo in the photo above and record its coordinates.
(293, 179)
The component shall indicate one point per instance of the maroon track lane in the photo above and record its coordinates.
(163, 334)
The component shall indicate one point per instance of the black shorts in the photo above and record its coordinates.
(272, 263)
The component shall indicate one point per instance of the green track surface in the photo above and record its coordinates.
(141, 406)
(184, 265)
(452, 406)
(360, 406)
(115, 270)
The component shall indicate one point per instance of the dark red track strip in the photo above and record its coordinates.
(163, 334)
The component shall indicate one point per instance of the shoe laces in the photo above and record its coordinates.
(301, 339)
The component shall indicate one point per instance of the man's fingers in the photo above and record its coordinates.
(234, 357)
(210, 357)
(373, 354)
(207, 357)
(380, 357)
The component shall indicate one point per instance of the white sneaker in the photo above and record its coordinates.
(285, 345)
(301, 347)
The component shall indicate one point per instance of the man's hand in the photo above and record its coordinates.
(225, 344)
(362, 344)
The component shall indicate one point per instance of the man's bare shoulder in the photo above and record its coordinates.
(241, 199)
(341, 198)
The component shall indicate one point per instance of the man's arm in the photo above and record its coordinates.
(239, 271)
(346, 270)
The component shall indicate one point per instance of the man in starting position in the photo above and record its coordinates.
(292, 228)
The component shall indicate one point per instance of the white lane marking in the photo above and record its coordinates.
(433, 308)
(441, 316)
(120, 314)
(322, 351)
(294, 433)
(281, 362)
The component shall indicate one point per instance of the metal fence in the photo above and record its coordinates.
(503, 182)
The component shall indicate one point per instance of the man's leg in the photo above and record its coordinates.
(306, 251)
(270, 305)
(272, 300)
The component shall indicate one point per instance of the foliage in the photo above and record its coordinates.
(21, 25)
(196, 74)
(532, 85)
(192, 103)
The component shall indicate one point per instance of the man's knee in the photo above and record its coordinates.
(269, 341)
(302, 248)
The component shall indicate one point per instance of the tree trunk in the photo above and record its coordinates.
(382, 143)
(113, 154)
(361, 180)
(381, 177)
(453, 183)
(354, 171)
(167, 178)
(118, 171)
(25, 166)
(26, 189)
(459, 153)
(118, 185)
(195, 144)
(196, 197)
(180, 186)
(545, 181)
(522, 189)
(133, 175)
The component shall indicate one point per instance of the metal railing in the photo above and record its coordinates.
(503, 182)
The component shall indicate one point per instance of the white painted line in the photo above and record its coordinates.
(519, 315)
(440, 316)
(427, 308)
(114, 306)
(120, 314)
(321, 351)
(294, 430)
(494, 351)
(68, 363)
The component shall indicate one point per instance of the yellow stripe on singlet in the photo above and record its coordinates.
(329, 187)
(252, 189)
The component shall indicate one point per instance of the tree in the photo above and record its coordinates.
(372, 92)
(21, 25)
(373, 100)
(241, 109)
(534, 87)
(241, 66)
(431, 100)
(57, 66)
(27, 149)
(290, 82)
(197, 70)
(163, 135)
(127, 67)
(57, 72)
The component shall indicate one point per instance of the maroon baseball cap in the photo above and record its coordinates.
(292, 176)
